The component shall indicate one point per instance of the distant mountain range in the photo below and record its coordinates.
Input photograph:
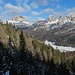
(21, 54)
(50, 23)
(59, 30)
(53, 22)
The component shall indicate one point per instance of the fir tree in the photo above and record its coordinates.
(22, 47)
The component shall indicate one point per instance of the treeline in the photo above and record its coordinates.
(34, 58)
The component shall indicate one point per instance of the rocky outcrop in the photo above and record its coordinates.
(19, 18)
(53, 22)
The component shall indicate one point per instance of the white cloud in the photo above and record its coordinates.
(27, 8)
(54, 3)
(65, 13)
(35, 13)
(1, 8)
(1, 1)
(11, 8)
(71, 10)
(27, 17)
(58, 6)
(45, 11)
(19, 2)
(50, 11)
(42, 2)
(37, 3)
(10, 11)
(39, 18)
(24, 4)
(22, 1)
(34, 5)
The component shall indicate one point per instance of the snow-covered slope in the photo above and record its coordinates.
(61, 48)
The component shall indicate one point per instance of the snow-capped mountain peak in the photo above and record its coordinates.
(19, 18)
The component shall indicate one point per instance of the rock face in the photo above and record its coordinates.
(19, 22)
(50, 23)
(19, 18)
(52, 19)
(53, 22)
(61, 31)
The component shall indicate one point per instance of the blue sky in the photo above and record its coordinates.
(33, 9)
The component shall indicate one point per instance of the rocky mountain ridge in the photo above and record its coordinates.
(19, 18)
(61, 31)
(53, 22)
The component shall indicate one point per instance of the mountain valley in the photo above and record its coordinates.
(60, 32)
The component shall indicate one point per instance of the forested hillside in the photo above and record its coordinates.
(22, 55)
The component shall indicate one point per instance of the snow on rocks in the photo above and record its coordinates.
(61, 48)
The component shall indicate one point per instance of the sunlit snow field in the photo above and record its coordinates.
(61, 48)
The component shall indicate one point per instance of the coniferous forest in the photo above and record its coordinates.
(21, 54)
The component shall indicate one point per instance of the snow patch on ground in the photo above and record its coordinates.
(61, 48)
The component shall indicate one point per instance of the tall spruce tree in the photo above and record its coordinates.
(22, 46)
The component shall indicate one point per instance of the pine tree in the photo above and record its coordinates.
(22, 41)
(22, 47)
